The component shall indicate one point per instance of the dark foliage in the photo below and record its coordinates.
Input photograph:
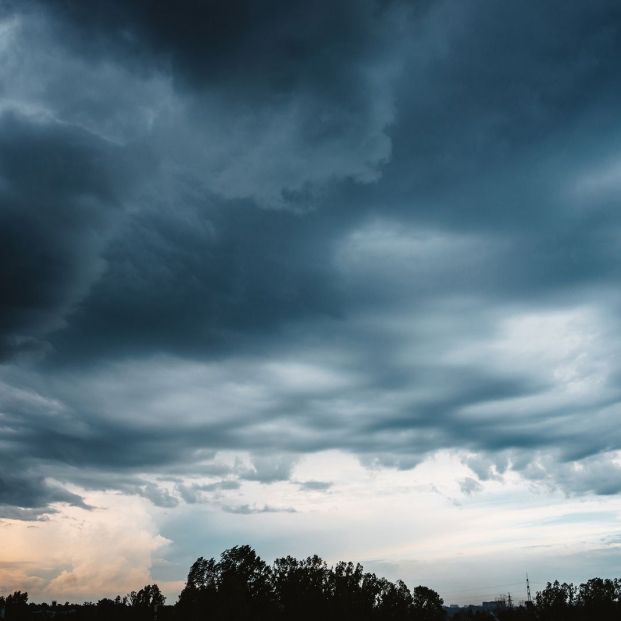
(595, 600)
(240, 586)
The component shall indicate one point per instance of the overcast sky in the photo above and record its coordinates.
(321, 277)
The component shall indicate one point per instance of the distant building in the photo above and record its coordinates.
(489, 607)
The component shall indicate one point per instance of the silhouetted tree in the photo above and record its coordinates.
(145, 601)
(301, 587)
(394, 601)
(112, 608)
(555, 601)
(200, 593)
(16, 606)
(148, 597)
(427, 604)
(344, 584)
(599, 599)
(244, 586)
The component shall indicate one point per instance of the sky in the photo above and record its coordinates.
(335, 278)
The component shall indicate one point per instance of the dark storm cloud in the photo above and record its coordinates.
(270, 48)
(494, 117)
(307, 87)
(29, 497)
(196, 493)
(235, 281)
(287, 227)
(60, 190)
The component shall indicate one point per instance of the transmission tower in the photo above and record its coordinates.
(529, 598)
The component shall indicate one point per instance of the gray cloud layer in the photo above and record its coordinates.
(286, 227)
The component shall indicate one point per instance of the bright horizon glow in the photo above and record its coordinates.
(118, 546)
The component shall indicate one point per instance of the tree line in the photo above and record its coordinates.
(240, 586)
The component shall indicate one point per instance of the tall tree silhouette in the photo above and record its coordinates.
(301, 587)
(395, 601)
(244, 586)
(200, 593)
(427, 604)
(555, 601)
(600, 598)
(16, 606)
(352, 591)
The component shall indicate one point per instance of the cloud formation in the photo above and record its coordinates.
(231, 236)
